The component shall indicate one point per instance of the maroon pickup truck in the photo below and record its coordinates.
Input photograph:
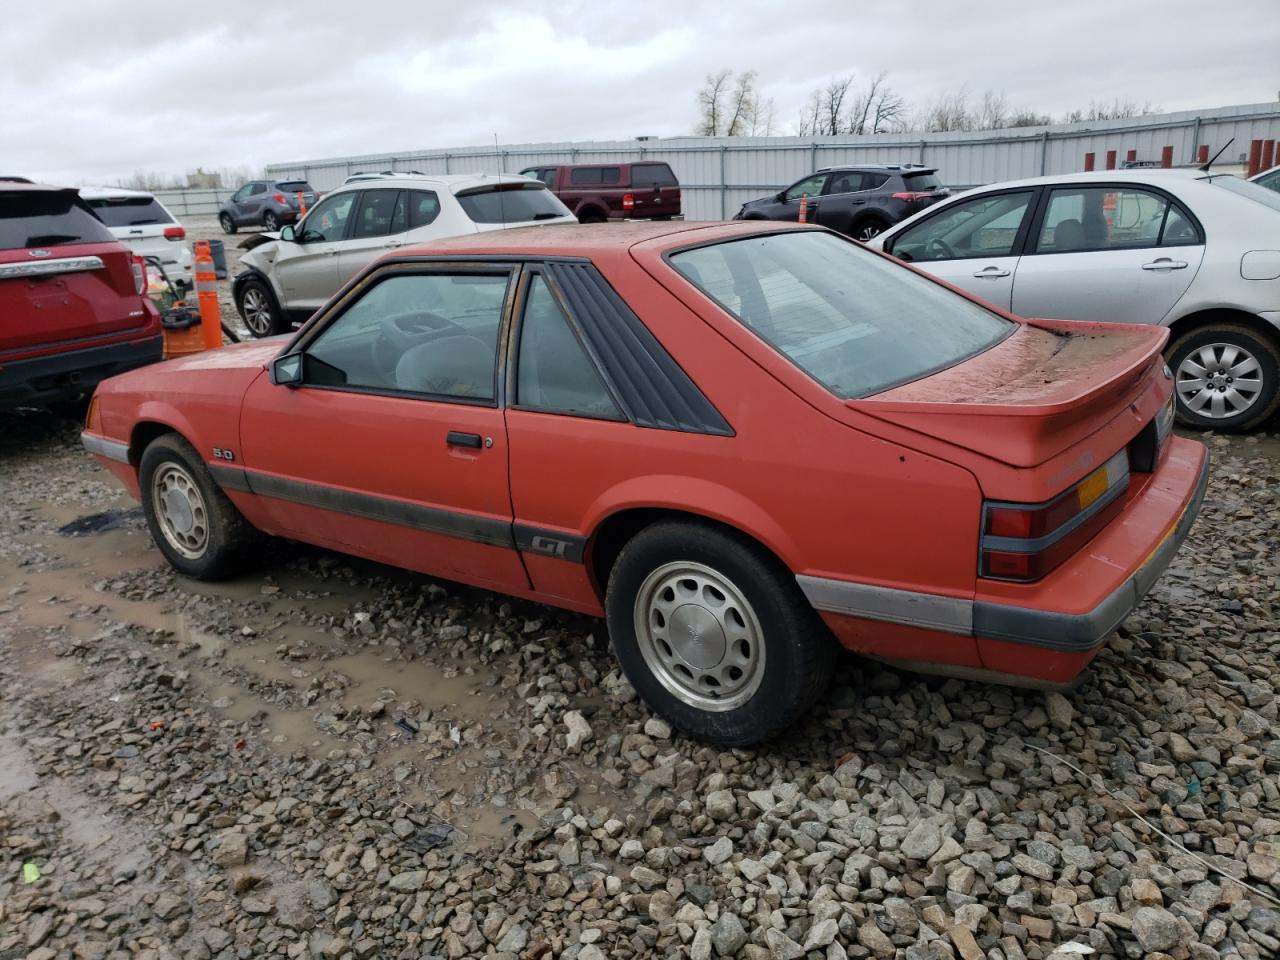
(597, 192)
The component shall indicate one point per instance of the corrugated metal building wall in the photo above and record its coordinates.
(718, 174)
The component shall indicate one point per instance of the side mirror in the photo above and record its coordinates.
(780, 196)
(288, 233)
(287, 370)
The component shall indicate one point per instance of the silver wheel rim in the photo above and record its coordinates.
(180, 510)
(869, 230)
(699, 636)
(226, 224)
(1219, 380)
(257, 312)
(270, 222)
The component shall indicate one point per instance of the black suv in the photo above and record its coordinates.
(860, 200)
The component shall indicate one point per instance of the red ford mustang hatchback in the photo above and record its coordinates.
(737, 444)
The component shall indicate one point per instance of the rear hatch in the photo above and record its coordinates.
(518, 203)
(293, 188)
(921, 189)
(142, 224)
(63, 276)
(655, 191)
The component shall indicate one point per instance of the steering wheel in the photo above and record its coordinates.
(404, 331)
(939, 249)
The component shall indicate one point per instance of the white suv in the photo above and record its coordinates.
(288, 279)
(146, 226)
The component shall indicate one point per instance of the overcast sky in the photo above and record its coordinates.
(94, 91)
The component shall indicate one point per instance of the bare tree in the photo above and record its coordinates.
(811, 116)
(876, 108)
(949, 112)
(763, 117)
(743, 103)
(711, 103)
(833, 98)
(1117, 110)
(1028, 118)
(994, 112)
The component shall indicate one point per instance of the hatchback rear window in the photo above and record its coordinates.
(652, 175)
(295, 186)
(129, 211)
(853, 321)
(921, 182)
(512, 203)
(47, 219)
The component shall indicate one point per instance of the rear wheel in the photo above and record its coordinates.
(228, 225)
(714, 634)
(867, 228)
(1226, 377)
(199, 531)
(591, 216)
(270, 222)
(258, 309)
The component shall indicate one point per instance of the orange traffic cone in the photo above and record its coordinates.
(207, 291)
(804, 208)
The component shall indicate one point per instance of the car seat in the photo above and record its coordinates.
(458, 366)
(1068, 235)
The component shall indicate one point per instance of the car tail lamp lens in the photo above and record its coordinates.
(91, 416)
(1024, 542)
(911, 195)
(628, 201)
(175, 233)
(279, 198)
(139, 275)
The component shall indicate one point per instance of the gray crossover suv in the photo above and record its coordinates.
(265, 203)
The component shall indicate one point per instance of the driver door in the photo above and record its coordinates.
(394, 447)
(787, 206)
(974, 244)
(306, 268)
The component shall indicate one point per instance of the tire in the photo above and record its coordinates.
(1220, 401)
(228, 225)
(592, 216)
(668, 646)
(270, 222)
(199, 531)
(258, 309)
(868, 227)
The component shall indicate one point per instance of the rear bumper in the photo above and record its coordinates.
(65, 376)
(1051, 632)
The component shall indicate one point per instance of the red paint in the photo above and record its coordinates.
(1166, 156)
(1202, 156)
(1088, 162)
(1131, 156)
(1111, 159)
(1268, 154)
(834, 489)
(1255, 158)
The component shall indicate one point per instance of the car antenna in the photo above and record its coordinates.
(497, 155)
(1205, 168)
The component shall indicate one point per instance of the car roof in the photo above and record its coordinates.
(6, 185)
(1151, 175)
(1263, 173)
(895, 167)
(453, 182)
(586, 240)
(99, 193)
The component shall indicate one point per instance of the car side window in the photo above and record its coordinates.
(808, 187)
(845, 183)
(257, 188)
(1179, 229)
(424, 207)
(981, 227)
(377, 210)
(327, 221)
(554, 373)
(873, 181)
(241, 193)
(585, 176)
(1269, 180)
(432, 334)
(1101, 218)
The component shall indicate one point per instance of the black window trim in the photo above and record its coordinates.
(324, 318)
(528, 275)
(349, 227)
(1042, 209)
(1020, 240)
(358, 212)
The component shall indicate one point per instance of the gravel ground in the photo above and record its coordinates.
(330, 758)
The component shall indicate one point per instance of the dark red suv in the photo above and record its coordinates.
(597, 192)
(73, 308)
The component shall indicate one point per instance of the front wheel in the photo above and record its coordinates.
(1226, 377)
(258, 310)
(228, 225)
(714, 634)
(270, 222)
(199, 531)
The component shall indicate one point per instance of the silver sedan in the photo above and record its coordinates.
(1197, 252)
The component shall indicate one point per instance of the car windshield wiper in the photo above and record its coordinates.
(50, 239)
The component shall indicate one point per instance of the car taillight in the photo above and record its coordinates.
(175, 233)
(279, 198)
(628, 201)
(912, 195)
(91, 416)
(139, 275)
(1024, 542)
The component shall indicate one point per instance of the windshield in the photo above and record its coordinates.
(129, 211)
(921, 182)
(46, 218)
(294, 186)
(1245, 188)
(512, 203)
(854, 321)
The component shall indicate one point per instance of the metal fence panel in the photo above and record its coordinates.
(718, 174)
(192, 203)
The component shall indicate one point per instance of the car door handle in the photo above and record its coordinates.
(991, 272)
(392, 244)
(456, 438)
(331, 251)
(1164, 263)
